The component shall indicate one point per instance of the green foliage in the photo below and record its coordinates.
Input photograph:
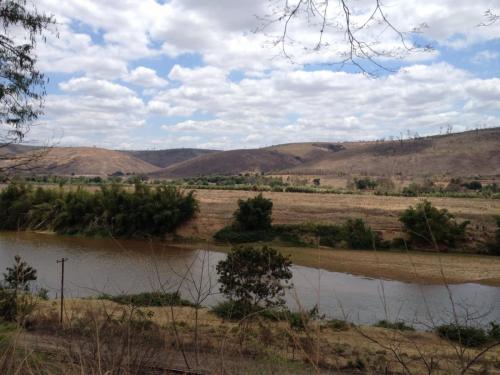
(15, 301)
(148, 299)
(255, 276)
(309, 233)
(427, 225)
(415, 189)
(22, 86)
(473, 185)
(254, 213)
(399, 326)
(464, 335)
(232, 235)
(112, 210)
(234, 310)
(339, 325)
(365, 184)
(494, 246)
(19, 276)
(360, 236)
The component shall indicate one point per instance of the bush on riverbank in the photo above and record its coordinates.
(110, 211)
(148, 299)
(468, 336)
(427, 225)
(494, 245)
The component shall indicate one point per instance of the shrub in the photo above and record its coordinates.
(400, 326)
(464, 335)
(360, 236)
(253, 213)
(233, 310)
(253, 276)
(494, 246)
(339, 325)
(235, 236)
(148, 299)
(365, 183)
(473, 185)
(428, 225)
(15, 301)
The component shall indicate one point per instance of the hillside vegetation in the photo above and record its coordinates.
(467, 154)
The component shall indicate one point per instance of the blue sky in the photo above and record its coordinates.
(192, 73)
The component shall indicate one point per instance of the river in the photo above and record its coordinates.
(97, 266)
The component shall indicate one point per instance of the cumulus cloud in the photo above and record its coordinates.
(145, 77)
(113, 56)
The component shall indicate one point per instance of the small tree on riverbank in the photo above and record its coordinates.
(427, 225)
(14, 299)
(254, 213)
(255, 277)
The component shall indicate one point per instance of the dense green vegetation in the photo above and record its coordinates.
(15, 301)
(429, 226)
(470, 336)
(253, 214)
(252, 223)
(494, 246)
(398, 326)
(148, 299)
(109, 211)
(255, 276)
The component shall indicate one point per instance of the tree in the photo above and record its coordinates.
(19, 276)
(360, 236)
(22, 85)
(255, 277)
(427, 225)
(15, 305)
(254, 213)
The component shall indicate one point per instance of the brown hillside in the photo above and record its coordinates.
(462, 154)
(454, 155)
(232, 162)
(90, 161)
(166, 158)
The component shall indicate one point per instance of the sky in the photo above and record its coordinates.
(146, 74)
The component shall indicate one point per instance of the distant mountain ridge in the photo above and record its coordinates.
(463, 154)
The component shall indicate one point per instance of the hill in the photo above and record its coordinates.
(231, 163)
(454, 155)
(165, 158)
(467, 154)
(85, 161)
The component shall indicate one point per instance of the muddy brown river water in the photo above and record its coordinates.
(109, 266)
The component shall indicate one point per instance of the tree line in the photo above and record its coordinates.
(109, 211)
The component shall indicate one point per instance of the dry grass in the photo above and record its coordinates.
(250, 348)
(381, 212)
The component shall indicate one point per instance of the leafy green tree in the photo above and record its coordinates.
(22, 86)
(254, 213)
(427, 225)
(360, 236)
(255, 277)
(17, 278)
(20, 275)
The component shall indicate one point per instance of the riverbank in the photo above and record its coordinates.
(111, 336)
(406, 266)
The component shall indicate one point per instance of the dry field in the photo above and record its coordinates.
(321, 347)
(381, 212)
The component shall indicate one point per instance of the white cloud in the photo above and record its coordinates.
(145, 77)
(112, 91)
